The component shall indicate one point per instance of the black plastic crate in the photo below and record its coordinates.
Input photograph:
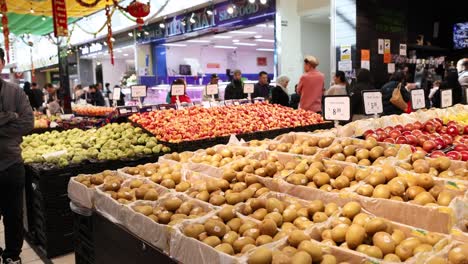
(53, 244)
(83, 231)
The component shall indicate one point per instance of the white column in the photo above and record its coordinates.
(288, 41)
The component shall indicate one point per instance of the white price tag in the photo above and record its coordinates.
(417, 99)
(446, 98)
(137, 91)
(345, 66)
(249, 88)
(372, 102)
(365, 65)
(391, 67)
(403, 49)
(122, 111)
(211, 89)
(154, 108)
(178, 90)
(381, 46)
(116, 94)
(337, 108)
(134, 109)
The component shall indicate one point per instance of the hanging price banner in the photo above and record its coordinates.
(248, 88)
(211, 89)
(337, 108)
(177, 90)
(116, 94)
(372, 102)
(138, 91)
(446, 98)
(418, 100)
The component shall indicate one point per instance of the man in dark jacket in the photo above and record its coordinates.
(262, 88)
(97, 98)
(16, 119)
(235, 90)
(37, 96)
(387, 92)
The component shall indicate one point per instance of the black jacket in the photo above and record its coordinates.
(357, 104)
(295, 99)
(37, 98)
(262, 91)
(97, 99)
(387, 92)
(278, 96)
(234, 90)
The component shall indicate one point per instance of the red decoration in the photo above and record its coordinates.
(6, 31)
(138, 10)
(109, 34)
(59, 13)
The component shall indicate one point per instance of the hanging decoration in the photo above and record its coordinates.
(109, 34)
(137, 10)
(88, 5)
(59, 11)
(6, 30)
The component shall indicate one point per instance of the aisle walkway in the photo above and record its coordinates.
(30, 257)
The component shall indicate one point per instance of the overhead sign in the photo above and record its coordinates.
(345, 51)
(59, 13)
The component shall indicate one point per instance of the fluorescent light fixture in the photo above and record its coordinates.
(130, 34)
(243, 32)
(230, 9)
(235, 40)
(262, 49)
(225, 47)
(174, 45)
(265, 40)
(262, 25)
(252, 1)
(222, 37)
(125, 54)
(198, 41)
(245, 44)
(263, 2)
(146, 33)
(258, 36)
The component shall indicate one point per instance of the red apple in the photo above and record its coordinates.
(447, 139)
(429, 127)
(394, 134)
(417, 125)
(451, 123)
(368, 132)
(464, 154)
(465, 130)
(429, 145)
(453, 131)
(406, 133)
(416, 132)
(437, 153)
(442, 130)
(440, 143)
(401, 140)
(389, 140)
(399, 127)
(409, 127)
(412, 140)
(454, 155)
(388, 129)
(438, 120)
(461, 147)
(422, 139)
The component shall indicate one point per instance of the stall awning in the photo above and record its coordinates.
(35, 17)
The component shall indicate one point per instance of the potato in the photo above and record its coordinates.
(301, 257)
(172, 204)
(227, 213)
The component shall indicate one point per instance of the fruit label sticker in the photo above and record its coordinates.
(446, 98)
(337, 108)
(372, 102)
(248, 88)
(417, 99)
(137, 91)
(178, 90)
(211, 89)
(116, 94)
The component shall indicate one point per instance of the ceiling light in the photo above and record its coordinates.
(125, 54)
(245, 44)
(162, 25)
(209, 12)
(243, 32)
(198, 41)
(31, 11)
(222, 37)
(43, 18)
(263, 2)
(262, 49)
(225, 47)
(258, 36)
(112, 39)
(262, 25)
(235, 40)
(230, 9)
(146, 33)
(130, 34)
(265, 40)
(174, 45)
(252, 1)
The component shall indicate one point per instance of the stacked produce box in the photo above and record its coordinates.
(300, 198)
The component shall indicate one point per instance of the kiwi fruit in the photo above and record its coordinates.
(296, 237)
(230, 237)
(384, 242)
(263, 239)
(215, 228)
(225, 248)
(355, 236)
(458, 254)
(328, 259)
(227, 213)
(268, 227)
(301, 257)
(338, 233)
(351, 209)
(240, 243)
(375, 225)
(212, 241)
(261, 255)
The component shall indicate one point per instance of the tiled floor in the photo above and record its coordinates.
(30, 257)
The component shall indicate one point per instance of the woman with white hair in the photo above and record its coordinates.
(279, 94)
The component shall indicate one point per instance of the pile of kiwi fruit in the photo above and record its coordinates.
(437, 167)
(309, 146)
(268, 167)
(171, 210)
(107, 176)
(134, 190)
(375, 237)
(219, 157)
(183, 157)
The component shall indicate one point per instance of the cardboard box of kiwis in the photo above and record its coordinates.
(82, 188)
(153, 220)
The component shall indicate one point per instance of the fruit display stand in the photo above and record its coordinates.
(278, 196)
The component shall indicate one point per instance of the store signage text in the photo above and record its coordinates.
(176, 26)
(59, 12)
(96, 47)
(241, 11)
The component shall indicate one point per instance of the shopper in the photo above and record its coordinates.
(295, 99)
(279, 94)
(387, 92)
(182, 98)
(37, 96)
(340, 85)
(27, 90)
(434, 89)
(96, 96)
(363, 82)
(463, 77)
(451, 82)
(16, 120)
(78, 92)
(311, 86)
(120, 102)
(213, 80)
(235, 90)
(262, 88)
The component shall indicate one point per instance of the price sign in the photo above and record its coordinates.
(137, 91)
(228, 102)
(211, 89)
(417, 99)
(178, 90)
(446, 98)
(249, 88)
(236, 102)
(372, 102)
(127, 110)
(337, 108)
(116, 94)
(166, 106)
(148, 108)
(259, 100)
